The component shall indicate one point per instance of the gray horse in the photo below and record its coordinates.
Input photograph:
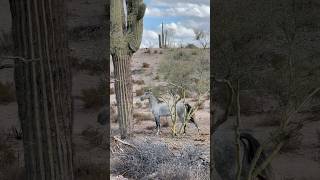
(161, 109)
(225, 159)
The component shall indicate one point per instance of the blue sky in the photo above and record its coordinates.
(180, 17)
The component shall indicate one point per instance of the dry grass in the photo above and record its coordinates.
(156, 161)
(7, 93)
(145, 65)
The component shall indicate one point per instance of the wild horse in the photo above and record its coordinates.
(161, 109)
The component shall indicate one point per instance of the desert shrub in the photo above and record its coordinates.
(191, 75)
(7, 154)
(145, 65)
(86, 170)
(91, 98)
(95, 97)
(191, 46)
(160, 52)
(140, 116)
(147, 51)
(139, 92)
(15, 132)
(180, 55)
(85, 32)
(270, 120)
(155, 51)
(139, 82)
(293, 144)
(156, 161)
(93, 66)
(157, 77)
(7, 93)
(112, 90)
(95, 136)
(194, 53)
(138, 104)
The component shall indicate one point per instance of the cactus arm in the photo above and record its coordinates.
(136, 11)
(117, 18)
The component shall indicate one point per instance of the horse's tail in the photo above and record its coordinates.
(188, 108)
(251, 147)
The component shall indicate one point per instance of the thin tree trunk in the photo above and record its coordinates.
(43, 86)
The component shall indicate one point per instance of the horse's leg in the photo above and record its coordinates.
(195, 124)
(184, 128)
(157, 118)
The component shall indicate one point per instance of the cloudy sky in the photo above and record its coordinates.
(180, 17)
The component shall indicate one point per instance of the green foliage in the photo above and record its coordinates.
(189, 72)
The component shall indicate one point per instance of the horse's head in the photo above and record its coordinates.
(146, 95)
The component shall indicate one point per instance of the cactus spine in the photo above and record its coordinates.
(126, 27)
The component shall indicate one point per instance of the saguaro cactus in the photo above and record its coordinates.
(43, 85)
(126, 20)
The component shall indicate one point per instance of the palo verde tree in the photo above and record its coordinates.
(43, 86)
(126, 23)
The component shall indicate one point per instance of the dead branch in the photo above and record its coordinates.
(124, 142)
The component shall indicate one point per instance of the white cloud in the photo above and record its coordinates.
(180, 9)
(195, 13)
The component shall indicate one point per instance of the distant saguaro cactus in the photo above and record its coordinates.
(126, 27)
(43, 86)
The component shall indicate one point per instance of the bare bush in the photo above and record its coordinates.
(156, 161)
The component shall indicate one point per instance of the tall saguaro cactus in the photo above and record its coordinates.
(43, 85)
(126, 21)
